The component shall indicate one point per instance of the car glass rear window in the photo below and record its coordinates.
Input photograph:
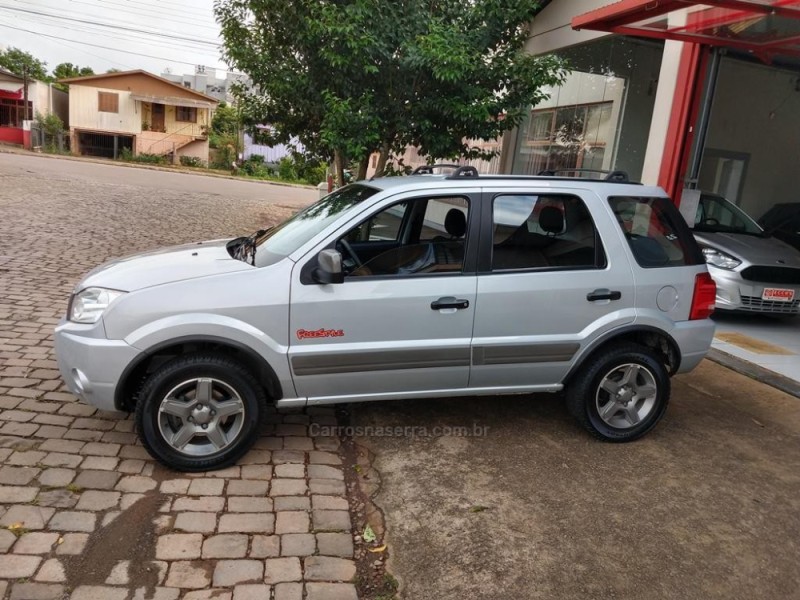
(656, 232)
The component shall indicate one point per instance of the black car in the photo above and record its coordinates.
(783, 222)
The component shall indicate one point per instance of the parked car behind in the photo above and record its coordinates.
(783, 221)
(754, 271)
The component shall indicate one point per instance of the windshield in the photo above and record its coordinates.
(279, 242)
(716, 215)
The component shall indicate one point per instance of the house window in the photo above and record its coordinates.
(108, 102)
(185, 113)
(12, 112)
(571, 137)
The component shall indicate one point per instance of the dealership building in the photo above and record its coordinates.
(683, 94)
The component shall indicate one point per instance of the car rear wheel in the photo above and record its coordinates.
(620, 394)
(199, 412)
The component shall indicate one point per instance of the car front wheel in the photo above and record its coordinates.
(199, 412)
(621, 393)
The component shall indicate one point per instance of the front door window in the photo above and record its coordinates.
(413, 237)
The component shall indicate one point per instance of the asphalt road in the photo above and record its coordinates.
(706, 506)
(157, 180)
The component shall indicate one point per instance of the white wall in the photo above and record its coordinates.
(48, 99)
(757, 111)
(84, 113)
(552, 29)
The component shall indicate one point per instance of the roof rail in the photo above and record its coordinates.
(428, 169)
(617, 176)
(465, 171)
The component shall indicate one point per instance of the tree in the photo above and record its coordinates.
(68, 70)
(225, 120)
(352, 77)
(16, 61)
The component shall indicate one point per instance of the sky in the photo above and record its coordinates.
(154, 35)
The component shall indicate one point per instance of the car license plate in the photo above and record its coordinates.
(777, 295)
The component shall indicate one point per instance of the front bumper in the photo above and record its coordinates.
(735, 293)
(90, 364)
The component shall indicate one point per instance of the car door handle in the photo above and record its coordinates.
(603, 294)
(449, 302)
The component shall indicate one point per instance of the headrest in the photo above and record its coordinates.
(455, 223)
(551, 220)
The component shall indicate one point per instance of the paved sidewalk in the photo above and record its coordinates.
(84, 512)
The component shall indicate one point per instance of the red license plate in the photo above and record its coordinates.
(777, 295)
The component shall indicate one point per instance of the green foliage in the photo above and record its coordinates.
(15, 60)
(143, 157)
(153, 159)
(351, 77)
(50, 124)
(67, 70)
(225, 120)
(301, 168)
(255, 167)
(225, 156)
(192, 161)
(286, 170)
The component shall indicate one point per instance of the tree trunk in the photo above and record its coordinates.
(383, 158)
(363, 164)
(338, 164)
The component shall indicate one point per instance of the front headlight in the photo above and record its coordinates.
(720, 259)
(88, 305)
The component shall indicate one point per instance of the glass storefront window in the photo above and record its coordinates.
(599, 118)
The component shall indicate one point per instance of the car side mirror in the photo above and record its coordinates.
(330, 267)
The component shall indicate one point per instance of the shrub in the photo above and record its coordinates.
(192, 161)
(286, 170)
(153, 159)
(224, 157)
(255, 167)
(50, 124)
(143, 157)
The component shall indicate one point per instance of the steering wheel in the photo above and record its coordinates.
(350, 252)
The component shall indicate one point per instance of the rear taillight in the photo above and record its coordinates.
(705, 295)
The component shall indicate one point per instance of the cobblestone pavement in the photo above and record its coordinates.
(84, 512)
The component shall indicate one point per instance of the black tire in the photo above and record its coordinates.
(587, 398)
(227, 385)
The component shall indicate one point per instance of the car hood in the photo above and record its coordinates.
(753, 249)
(165, 265)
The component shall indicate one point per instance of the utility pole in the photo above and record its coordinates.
(25, 93)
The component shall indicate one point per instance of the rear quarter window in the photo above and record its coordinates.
(656, 232)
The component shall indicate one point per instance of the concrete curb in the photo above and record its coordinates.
(119, 163)
(753, 371)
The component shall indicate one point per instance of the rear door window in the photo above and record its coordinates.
(656, 232)
(544, 232)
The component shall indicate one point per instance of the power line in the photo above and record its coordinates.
(105, 58)
(55, 37)
(166, 13)
(121, 27)
(120, 35)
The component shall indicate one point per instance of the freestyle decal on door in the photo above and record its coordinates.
(303, 334)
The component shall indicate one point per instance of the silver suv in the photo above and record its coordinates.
(408, 287)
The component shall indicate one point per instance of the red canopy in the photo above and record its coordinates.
(766, 28)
